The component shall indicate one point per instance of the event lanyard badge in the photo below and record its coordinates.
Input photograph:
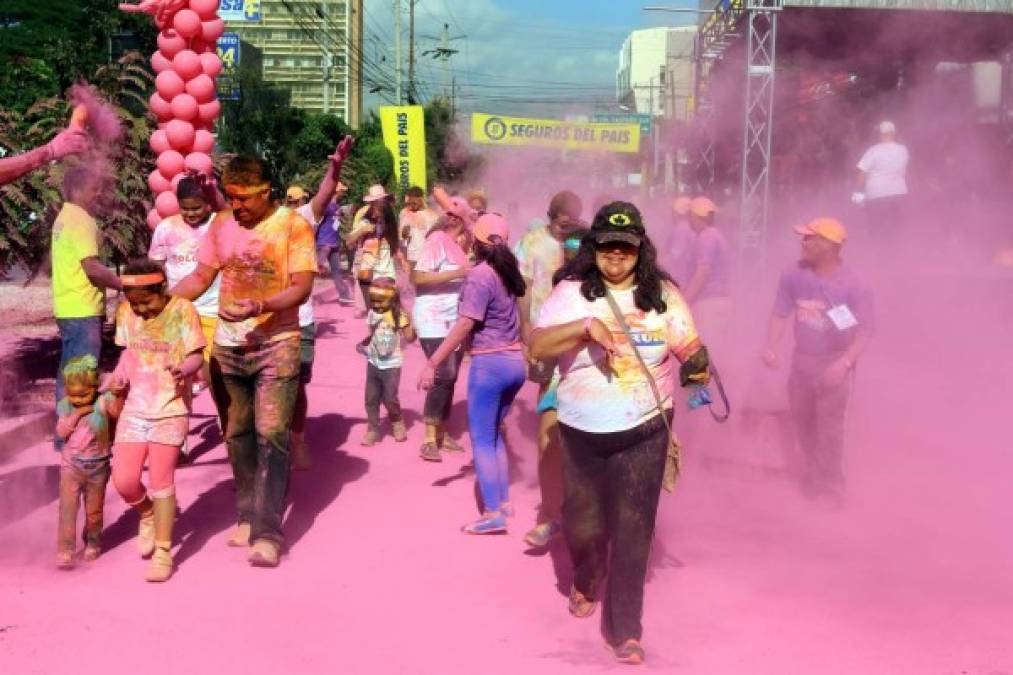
(842, 317)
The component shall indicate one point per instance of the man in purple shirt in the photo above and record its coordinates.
(833, 318)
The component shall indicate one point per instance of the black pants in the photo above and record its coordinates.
(611, 487)
(440, 398)
(382, 386)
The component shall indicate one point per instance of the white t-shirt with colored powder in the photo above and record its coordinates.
(176, 244)
(885, 166)
(306, 317)
(594, 398)
(435, 308)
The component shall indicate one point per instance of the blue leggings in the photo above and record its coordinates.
(493, 383)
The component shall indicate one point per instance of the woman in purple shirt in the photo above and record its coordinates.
(488, 313)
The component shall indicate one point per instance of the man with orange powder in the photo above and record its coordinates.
(267, 258)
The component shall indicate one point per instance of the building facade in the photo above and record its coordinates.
(313, 48)
(655, 74)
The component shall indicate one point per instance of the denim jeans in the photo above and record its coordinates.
(307, 353)
(611, 486)
(78, 337)
(262, 382)
(440, 398)
(818, 413)
(493, 383)
(77, 481)
(333, 256)
(382, 385)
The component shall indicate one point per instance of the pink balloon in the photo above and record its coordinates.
(187, 64)
(180, 135)
(160, 107)
(184, 107)
(204, 141)
(201, 88)
(170, 43)
(159, 142)
(169, 85)
(201, 46)
(212, 30)
(166, 204)
(187, 23)
(160, 63)
(211, 63)
(208, 112)
(198, 161)
(153, 219)
(206, 9)
(170, 163)
(157, 182)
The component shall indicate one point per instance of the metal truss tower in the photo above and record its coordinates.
(761, 60)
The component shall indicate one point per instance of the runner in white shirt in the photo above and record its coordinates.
(882, 181)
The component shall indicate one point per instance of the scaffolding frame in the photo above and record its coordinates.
(758, 124)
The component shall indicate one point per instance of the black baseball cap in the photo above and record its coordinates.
(618, 222)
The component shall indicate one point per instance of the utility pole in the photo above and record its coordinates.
(443, 53)
(411, 51)
(397, 51)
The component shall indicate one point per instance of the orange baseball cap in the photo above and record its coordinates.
(702, 207)
(682, 205)
(491, 228)
(830, 229)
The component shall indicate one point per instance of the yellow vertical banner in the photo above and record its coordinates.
(404, 134)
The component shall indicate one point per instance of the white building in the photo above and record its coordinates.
(655, 74)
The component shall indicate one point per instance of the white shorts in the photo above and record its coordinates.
(165, 431)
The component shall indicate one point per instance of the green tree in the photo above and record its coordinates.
(48, 45)
(28, 206)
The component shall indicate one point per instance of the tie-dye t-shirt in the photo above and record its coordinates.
(152, 347)
(595, 399)
(257, 263)
(176, 244)
(539, 255)
(385, 346)
(91, 438)
(435, 308)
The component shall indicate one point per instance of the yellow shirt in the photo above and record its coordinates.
(75, 237)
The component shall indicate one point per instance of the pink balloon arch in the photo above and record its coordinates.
(185, 101)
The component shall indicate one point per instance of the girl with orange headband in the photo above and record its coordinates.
(163, 349)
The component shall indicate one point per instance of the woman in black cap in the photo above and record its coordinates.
(614, 321)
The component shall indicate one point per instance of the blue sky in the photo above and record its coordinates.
(518, 56)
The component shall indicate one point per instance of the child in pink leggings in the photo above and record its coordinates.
(163, 344)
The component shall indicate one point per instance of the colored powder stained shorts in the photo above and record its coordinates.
(307, 352)
(208, 326)
(549, 400)
(164, 431)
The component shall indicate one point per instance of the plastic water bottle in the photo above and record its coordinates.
(699, 396)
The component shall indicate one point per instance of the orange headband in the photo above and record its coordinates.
(141, 280)
(246, 190)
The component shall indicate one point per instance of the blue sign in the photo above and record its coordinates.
(228, 80)
(240, 11)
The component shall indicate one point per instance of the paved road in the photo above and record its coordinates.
(912, 577)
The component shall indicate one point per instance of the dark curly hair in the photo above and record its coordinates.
(649, 275)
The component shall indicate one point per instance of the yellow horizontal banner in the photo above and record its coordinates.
(601, 136)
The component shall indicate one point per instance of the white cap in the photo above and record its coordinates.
(887, 127)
